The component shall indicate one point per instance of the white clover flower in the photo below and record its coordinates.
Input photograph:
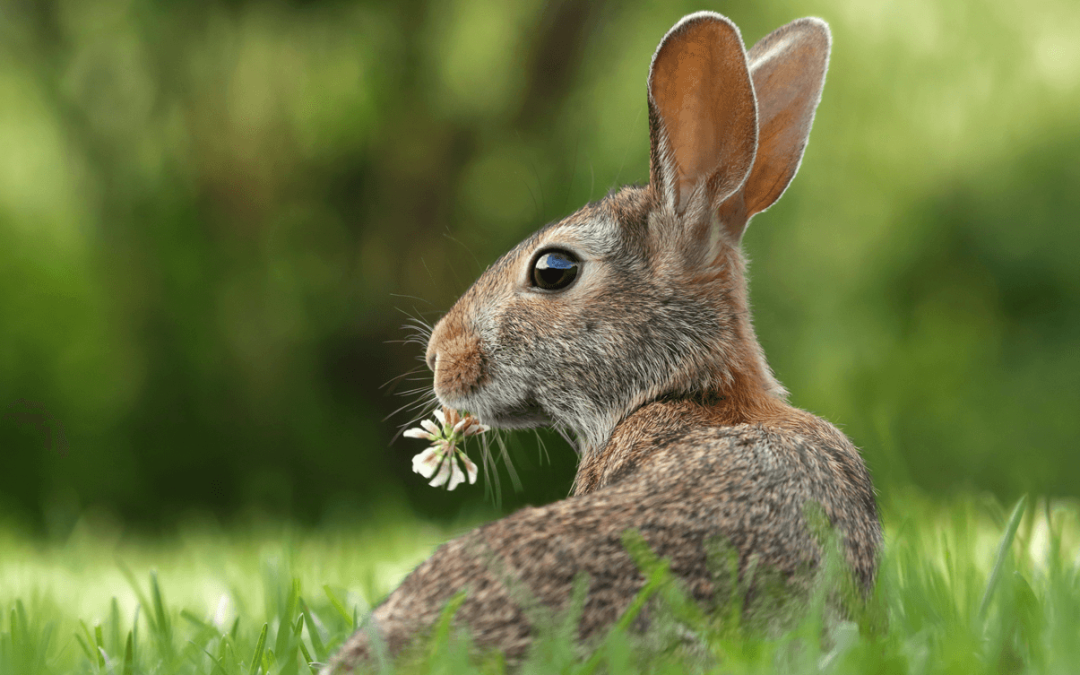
(440, 461)
(427, 462)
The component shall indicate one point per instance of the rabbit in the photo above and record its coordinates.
(628, 322)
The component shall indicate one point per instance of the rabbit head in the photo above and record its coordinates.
(642, 294)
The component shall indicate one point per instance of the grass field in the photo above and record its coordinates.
(960, 591)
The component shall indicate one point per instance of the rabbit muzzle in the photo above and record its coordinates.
(456, 356)
(464, 379)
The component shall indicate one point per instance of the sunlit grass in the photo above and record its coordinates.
(963, 588)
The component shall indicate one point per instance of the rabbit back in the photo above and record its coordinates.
(746, 487)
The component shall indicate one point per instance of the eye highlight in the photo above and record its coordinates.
(555, 270)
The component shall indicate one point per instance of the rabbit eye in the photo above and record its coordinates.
(555, 270)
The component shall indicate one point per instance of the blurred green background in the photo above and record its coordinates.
(215, 217)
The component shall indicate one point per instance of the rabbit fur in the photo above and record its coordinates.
(649, 356)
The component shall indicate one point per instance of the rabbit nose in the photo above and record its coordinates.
(435, 340)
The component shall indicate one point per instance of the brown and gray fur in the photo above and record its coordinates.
(651, 359)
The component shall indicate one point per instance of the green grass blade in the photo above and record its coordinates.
(129, 653)
(294, 597)
(20, 609)
(87, 639)
(228, 652)
(307, 658)
(217, 663)
(14, 630)
(161, 617)
(281, 644)
(43, 648)
(24, 627)
(298, 631)
(256, 659)
(339, 606)
(135, 630)
(100, 642)
(1002, 554)
(114, 626)
(130, 577)
(656, 578)
(196, 621)
(313, 631)
(442, 627)
(224, 651)
(85, 647)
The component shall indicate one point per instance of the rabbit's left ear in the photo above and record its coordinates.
(702, 116)
(788, 67)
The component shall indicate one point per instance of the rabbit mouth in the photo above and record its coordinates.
(523, 415)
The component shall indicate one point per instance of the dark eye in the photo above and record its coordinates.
(555, 270)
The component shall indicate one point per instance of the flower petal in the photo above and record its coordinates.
(443, 475)
(457, 477)
(475, 429)
(461, 423)
(430, 426)
(470, 468)
(427, 461)
(417, 432)
(441, 416)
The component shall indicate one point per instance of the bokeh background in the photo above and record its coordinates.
(215, 217)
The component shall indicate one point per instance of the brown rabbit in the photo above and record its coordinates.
(628, 323)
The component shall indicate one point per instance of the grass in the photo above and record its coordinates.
(965, 587)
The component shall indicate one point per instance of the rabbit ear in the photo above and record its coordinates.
(788, 67)
(702, 116)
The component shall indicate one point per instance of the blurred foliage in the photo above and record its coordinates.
(215, 215)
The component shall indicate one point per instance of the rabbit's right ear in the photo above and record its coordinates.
(702, 116)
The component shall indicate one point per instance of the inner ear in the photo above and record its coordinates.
(702, 112)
